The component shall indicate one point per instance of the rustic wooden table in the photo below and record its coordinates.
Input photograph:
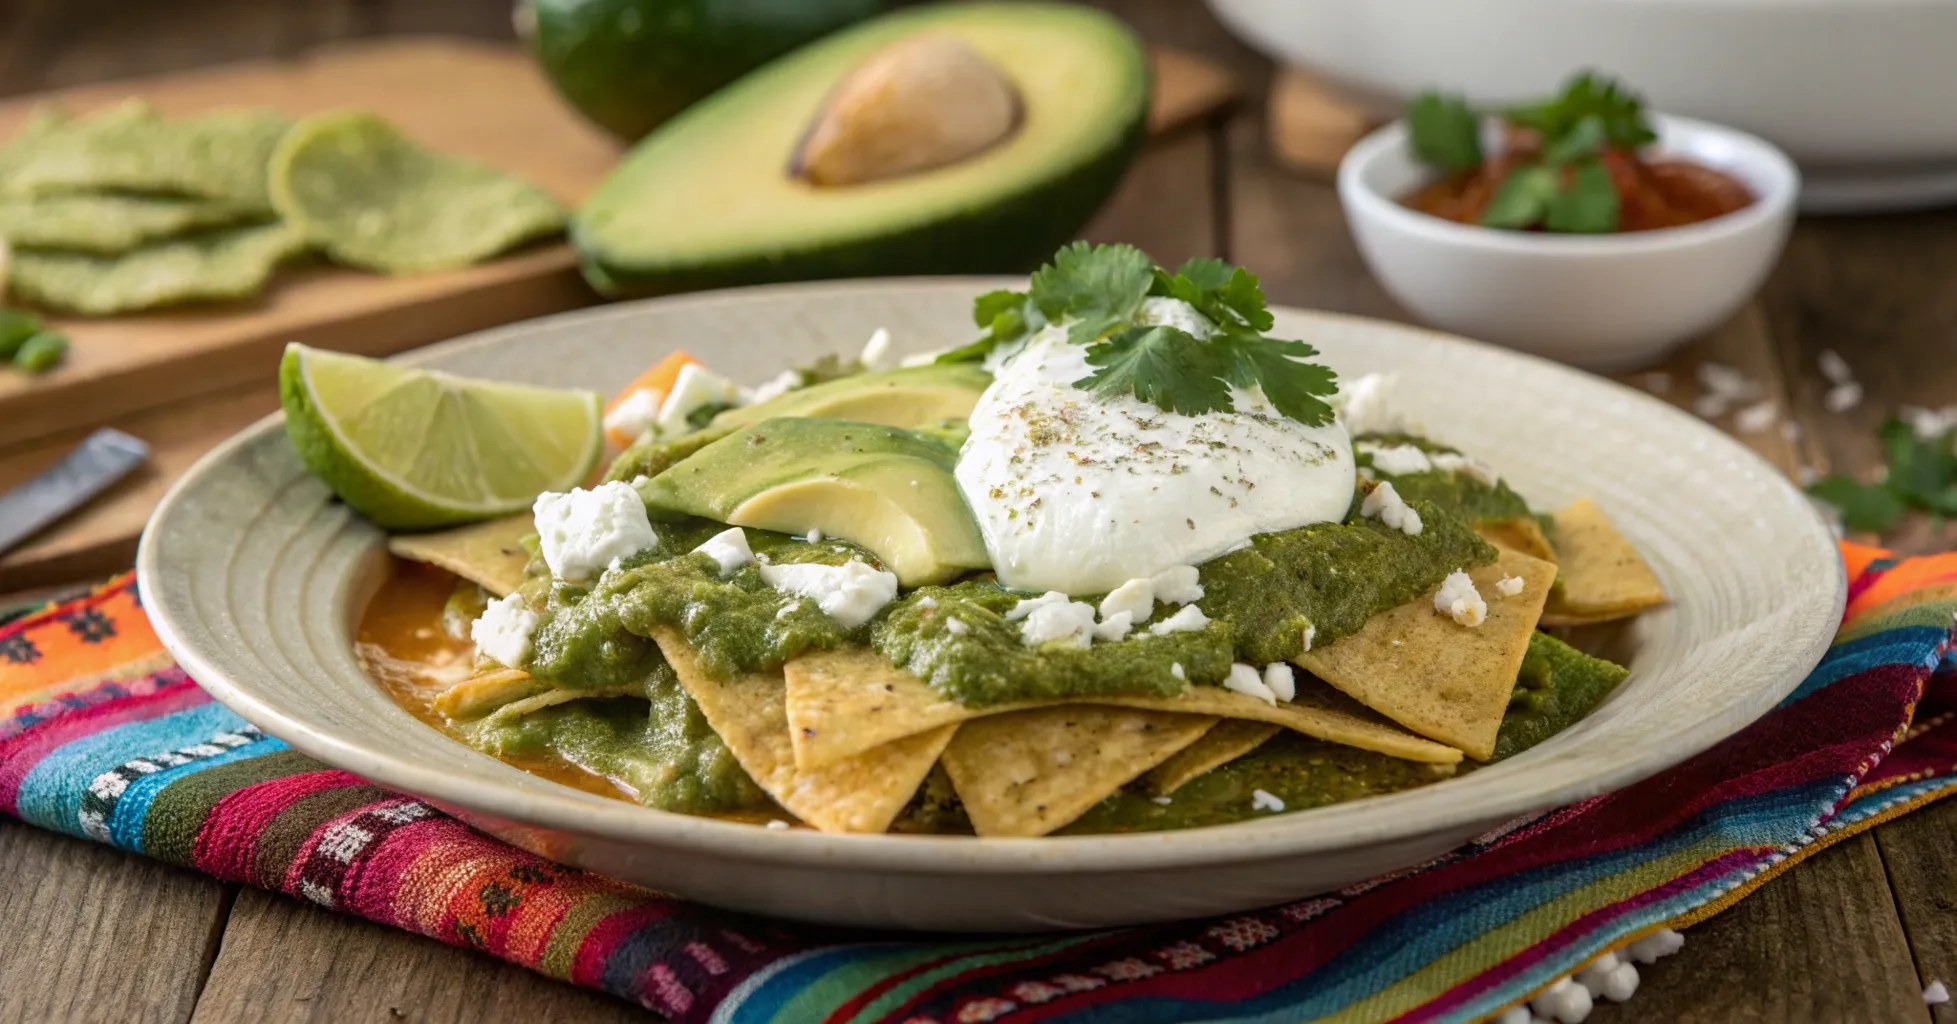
(1853, 935)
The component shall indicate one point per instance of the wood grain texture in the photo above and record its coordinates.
(1164, 204)
(1921, 861)
(1820, 943)
(92, 934)
(283, 960)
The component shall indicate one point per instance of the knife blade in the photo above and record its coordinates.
(105, 457)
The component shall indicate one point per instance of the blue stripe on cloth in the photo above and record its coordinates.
(51, 794)
(1911, 646)
(126, 823)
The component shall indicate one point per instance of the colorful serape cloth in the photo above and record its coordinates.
(101, 737)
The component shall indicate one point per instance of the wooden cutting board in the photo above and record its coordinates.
(187, 379)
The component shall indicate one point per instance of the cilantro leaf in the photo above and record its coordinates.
(1588, 204)
(1294, 387)
(1162, 365)
(1619, 111)
(1099, 286)
(1444, 132)
(1585, 139)
(1007, 316)
(1920, 472)
(1226, 295)
(987, 308)
(1864, 508)
(1522, 199)
(1207, 273)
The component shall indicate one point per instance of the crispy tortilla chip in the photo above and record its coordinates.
(1435, 676)
(1521, 534)
(478, 695)
(843, 702)
(1604, 577)
(1219, 746)
(489, 554)
(857, 794)
(551, 698)
(1030, 772)
(211, 266)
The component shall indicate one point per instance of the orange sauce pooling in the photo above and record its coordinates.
(1652, 194)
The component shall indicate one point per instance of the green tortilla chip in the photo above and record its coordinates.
(44, 121)
(108, 223)
(227, 263)
(374, 199)
(131, 148)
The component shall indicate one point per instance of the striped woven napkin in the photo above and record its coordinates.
(102, 737)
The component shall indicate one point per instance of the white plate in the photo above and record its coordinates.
(255, 578)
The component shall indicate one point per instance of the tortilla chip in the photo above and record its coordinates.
(215, 265)
(1435, 676)
(864, 793)
(1030, 772)
(108, 223)
(1604, 577)
(1219, 746)
(553, 697)
(1522, 534)
(489, 554)
(131, 148)
(478, 695)
(842, 703)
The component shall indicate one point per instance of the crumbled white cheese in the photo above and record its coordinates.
(1245, 680)
(636, 414)
(927, 602)
(1114, 627)
(728, 548)
(1311, 632)
(696, 386)
(875, 349)
(1757, 418)
(1661, 943)
(1163, 800)
(1363, 404)
(1188, 620)
(583, 532)
(1565, 1002)
(502, 633)
(1509, 586)
(776, 386)
(788, 609)
(851, 593)
(1929, 424)
(1135, 597)
(957, 626)
(1282, 682)
(1176, 670)
(1399, 459)
(1473, 469)
(1834, 367)
(1028, 605)
(1516, 1015)
(1609, 977)
(1843, 397)
(1071, 621)
(1263, 801)
(1936, 994)
(1384, 504)
(1723, 387)
(777, 824)
(1176, 585)
(1459, 598)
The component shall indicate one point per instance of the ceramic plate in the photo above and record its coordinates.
(255, 576)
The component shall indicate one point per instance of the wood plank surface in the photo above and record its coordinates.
(1920, 857)
(95, 935)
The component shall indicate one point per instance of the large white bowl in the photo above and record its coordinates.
(1605, 302)
(254, 577)
(1857, 91)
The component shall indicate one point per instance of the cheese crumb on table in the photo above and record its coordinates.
(851, 593)
(1565, 1002)
(1245, 680)
(728, 548)
(1459, 598)
(1757, 418)
(584, 532)
(1843, 397)
(1834, 367)
(1935, 994)
(502, 633)
(1384, 504)
(1188, 620)
(1661, 943)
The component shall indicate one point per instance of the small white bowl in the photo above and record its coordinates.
(1603, 302)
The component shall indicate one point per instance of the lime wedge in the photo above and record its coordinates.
(412, 448)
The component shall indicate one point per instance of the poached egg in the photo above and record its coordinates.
(1077, 494)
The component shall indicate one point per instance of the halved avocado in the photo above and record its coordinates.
(889, 490)
(712, 198)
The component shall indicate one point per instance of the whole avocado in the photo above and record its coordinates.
(631, 64)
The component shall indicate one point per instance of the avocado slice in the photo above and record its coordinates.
(886, 489)
(918, 396)
(711, 198)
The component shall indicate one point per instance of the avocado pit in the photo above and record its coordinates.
(921, 103)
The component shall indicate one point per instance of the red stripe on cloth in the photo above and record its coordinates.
(21, 753)
(227, 844)
(595, 953)
(393, 880)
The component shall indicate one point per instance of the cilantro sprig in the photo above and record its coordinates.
(1098, 292)
(1565, 186)
(1922, 475)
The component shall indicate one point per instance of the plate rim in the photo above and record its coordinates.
(1369, 822)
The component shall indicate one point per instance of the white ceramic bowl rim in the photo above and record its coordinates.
(1282, 836)
(1763, 167)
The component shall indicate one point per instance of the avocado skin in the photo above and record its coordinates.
(630, 82)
